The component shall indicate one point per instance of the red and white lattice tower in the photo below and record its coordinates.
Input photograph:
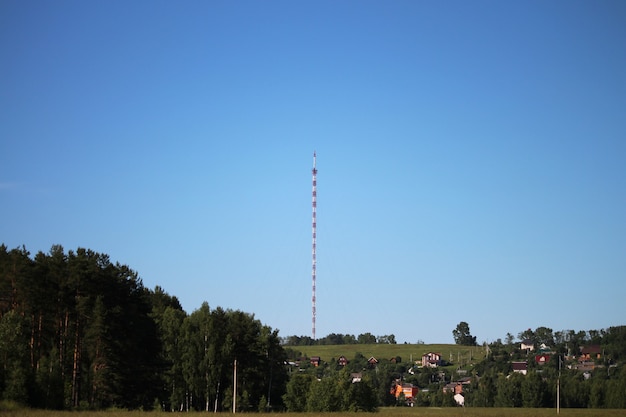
(314, 203)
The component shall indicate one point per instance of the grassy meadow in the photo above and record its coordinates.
(384, 412)
(459, 355)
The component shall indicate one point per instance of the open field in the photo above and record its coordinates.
(384, 412)
(459, 355)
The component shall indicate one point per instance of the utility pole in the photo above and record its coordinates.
(558, 389)
(235, 387)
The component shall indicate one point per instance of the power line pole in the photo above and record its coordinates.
(235, 386)
(558, 389)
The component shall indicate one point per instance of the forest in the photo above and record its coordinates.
(80, 332)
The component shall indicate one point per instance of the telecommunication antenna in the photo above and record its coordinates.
(314, 204)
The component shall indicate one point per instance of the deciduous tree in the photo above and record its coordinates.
(462, 335)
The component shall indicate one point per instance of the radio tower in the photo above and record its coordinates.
(314, 203)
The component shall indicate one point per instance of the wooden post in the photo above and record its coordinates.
(235, 387)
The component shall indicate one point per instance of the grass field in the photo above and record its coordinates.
(458, 355)
(384, 412)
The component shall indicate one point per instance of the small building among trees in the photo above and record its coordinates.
(431, 360)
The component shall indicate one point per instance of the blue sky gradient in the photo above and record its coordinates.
(471, 156)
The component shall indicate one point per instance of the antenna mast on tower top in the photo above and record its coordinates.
(314, 203)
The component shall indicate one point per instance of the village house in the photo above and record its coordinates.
(465, 380)
(409, 391)
(589, 353)
(527, 345)
(356, 377)
(586, 366)
(542, 359)
(431, 360)
(342, 361)
(315, 360)
(457, 387)
(520, 367)
(543, 348)
(588, 356)
(453, 387)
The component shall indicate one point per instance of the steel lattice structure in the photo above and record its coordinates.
(314, 260)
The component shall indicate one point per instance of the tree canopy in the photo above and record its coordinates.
(78, 332)
(462, 335)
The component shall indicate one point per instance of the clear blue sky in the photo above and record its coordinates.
(471, 156)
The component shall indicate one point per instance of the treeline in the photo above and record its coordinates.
(598, 381)
(568, 342)
(80, 332)
(356, 386)
(339, 339)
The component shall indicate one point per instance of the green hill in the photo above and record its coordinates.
(456, 354)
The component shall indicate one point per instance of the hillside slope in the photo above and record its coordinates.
(456, 354)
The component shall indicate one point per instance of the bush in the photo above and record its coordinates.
(8, 405)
